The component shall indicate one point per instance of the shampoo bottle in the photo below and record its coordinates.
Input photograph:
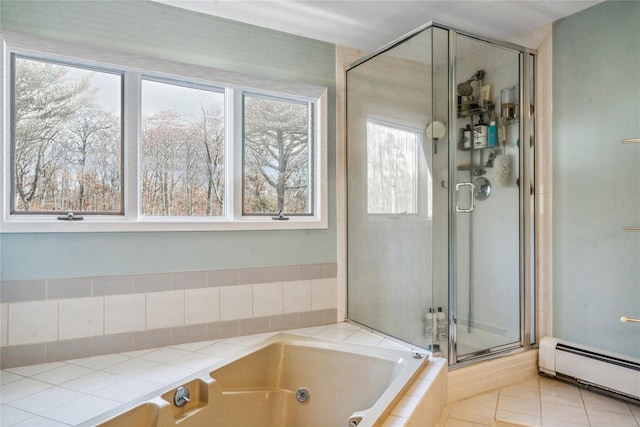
(493, 134)
(480, 134)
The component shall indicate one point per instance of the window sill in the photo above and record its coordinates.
(102, 224)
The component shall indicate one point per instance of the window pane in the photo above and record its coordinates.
(182, 151)
(392, 173)
(67, 141)
(277, 156)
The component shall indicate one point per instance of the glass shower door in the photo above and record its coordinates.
(390, 180)
(485, 269)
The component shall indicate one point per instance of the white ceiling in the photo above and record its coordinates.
(369, 25)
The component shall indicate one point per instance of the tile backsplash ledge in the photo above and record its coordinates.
(50, 320)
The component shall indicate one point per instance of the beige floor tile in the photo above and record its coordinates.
(562, 396)
(601, 402)
(522, 391)
(451, 422)
(489, 400)
(476, 414)
(607, 419)
(635, 410)
(518, 418)
(556, 384)
(522, 406)
(562, 412)
(532, 382)
(549, 422)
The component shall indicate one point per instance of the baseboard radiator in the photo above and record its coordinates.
(608, 372)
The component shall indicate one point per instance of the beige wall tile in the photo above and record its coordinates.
(33, 322)
(297, 296)
(124, 313)
(202, 305)
(253, 275)
(189, 280)
(267, 299)
(69, 288)
(112, 285)
(236, 302)
(165, 309)
(324, 294)
(81, 317)
(23, 290)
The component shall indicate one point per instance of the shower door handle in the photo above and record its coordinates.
(472, 187)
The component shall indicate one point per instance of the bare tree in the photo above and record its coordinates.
(276, 151)
(212, 138)
(89, 135)
(46, 98)
(160, 151)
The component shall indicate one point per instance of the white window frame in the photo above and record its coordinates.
(135, 67)
(424, 196)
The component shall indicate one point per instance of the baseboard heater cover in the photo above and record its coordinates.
(610, 372)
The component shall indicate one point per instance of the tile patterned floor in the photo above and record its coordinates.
(71, 392)
(541, 402)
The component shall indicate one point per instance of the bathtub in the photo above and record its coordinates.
(286, 380)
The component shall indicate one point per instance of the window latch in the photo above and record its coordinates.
(280, 217)
(70, 216)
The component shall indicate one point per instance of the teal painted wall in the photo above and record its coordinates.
(596, 181)
(164, 32)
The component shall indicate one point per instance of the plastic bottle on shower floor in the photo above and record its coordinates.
(428, 323)
(441, 320)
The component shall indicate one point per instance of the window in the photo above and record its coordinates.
(129, 148)
(182, 150)
(277, 156)
(67, 139)
(392, 169)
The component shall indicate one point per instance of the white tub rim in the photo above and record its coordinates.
(414, 360)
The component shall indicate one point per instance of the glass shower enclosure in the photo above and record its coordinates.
(440, 232)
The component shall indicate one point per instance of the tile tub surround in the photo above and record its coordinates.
(74, 391)
(45, 321)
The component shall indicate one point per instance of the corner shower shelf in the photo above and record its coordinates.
(472, 167)
(470, 112)
(479, 148)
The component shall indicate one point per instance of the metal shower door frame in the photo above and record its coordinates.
(527, 226)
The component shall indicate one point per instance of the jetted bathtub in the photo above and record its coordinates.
(287, 380)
